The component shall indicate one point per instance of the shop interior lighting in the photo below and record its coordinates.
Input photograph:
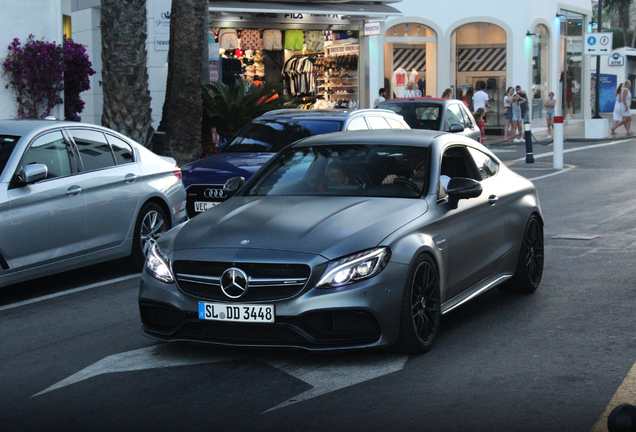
(560, 15)
(406, 30)
(395, 31)
(530, 34)
(418, 30)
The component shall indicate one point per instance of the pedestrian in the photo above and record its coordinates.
(479, 118)
(626, 110)
(525, 109)
(381, 97)
(508, 110)
(517, 117)
(617, 114)
(480, 99)
(549, 113)
(448, 94)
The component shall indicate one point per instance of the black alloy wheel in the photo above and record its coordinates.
(530, 264)
(421, 310)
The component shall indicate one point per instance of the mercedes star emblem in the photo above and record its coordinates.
(234, 282)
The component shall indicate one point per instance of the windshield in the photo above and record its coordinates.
(346, 170)
(274, 135)
(7, 144)
(416, 115)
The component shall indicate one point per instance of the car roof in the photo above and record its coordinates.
(22, 127)
(397, 137)
(322, 114)
(438, 101)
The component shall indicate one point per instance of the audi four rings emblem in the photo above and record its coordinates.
(214, 193)
(234, 282)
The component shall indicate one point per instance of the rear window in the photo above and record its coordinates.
(7, 144)
(416, 115)
(271, 136)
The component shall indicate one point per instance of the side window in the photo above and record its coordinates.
(467, 117)
(457, 162)
(376, 122)
(358, 123)
(93, 148)
(395, 124)
(123, 151)
(485, 164)
(49, 149)
(453, 116)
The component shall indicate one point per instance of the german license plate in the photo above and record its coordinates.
(201, 206)
(236, 313)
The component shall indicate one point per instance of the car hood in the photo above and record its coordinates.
(220, 167)
(327, 226)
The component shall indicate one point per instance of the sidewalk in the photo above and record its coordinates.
(573, 131)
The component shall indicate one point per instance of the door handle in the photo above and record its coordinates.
(492, 199)
(130, 178)
(73, 190)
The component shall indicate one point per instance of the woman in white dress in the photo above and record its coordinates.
(626, 111)
(617, 115)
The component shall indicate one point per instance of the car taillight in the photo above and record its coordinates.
(177, 172)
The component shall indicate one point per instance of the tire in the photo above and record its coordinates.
(530, 262)
(421, 308)
(151, 224)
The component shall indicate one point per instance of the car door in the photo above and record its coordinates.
(112, 187)
(473, 234)
(48, 218)
(471, 128)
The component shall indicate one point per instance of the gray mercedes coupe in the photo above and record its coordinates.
(347, 240)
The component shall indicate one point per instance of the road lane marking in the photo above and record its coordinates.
(67, 292)
(589, 147)
(326, 372)
(626, 393)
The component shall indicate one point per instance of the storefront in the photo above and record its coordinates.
(313, 48)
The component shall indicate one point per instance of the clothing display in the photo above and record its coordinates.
(294, 39)
(315, 41)
(251, 39)
(272, 40)
(413, 78)
(399, 82)
(228, 39)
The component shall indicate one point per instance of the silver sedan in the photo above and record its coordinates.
(343, 240)
(73, 194)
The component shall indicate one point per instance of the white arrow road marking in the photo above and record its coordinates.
(152, 357)
(337, 373)
(324, 372)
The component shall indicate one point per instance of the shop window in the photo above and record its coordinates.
(479, 60)
(410, 55)
(540, 73)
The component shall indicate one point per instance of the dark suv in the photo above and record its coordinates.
(266, 135)
(448, 115)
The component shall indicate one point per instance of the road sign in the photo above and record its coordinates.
(597, 44)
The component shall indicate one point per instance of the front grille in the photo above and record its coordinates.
(266, 282)
(196, 193)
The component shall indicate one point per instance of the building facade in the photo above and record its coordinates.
(460, 44)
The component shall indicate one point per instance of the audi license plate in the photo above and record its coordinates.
(236, 313)
(201, 206)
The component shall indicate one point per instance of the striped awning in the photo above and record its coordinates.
(481, 59)
(409, 59)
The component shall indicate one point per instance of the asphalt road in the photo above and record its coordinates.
(550, 361)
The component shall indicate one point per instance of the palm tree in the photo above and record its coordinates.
(182, 108)
(621, 7)
(229, 108)
(124, 69)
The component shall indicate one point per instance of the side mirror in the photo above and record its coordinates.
(233, 185)
(32, 173)
(456, 127)
(463, 188)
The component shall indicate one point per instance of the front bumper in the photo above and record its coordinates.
(364, 314)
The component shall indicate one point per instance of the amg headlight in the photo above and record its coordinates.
(354, 268)
(158, 265)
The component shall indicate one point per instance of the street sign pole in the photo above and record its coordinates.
(597, 84)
